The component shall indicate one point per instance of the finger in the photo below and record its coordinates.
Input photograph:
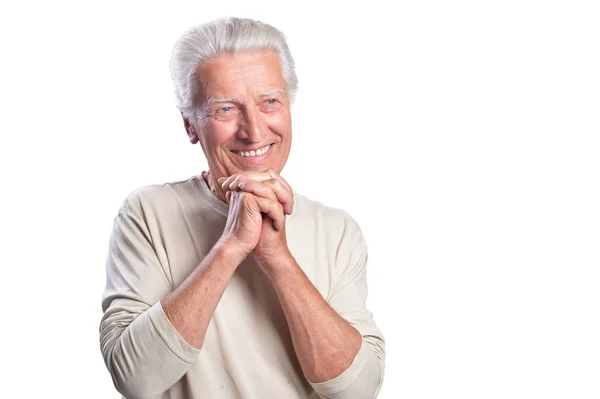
(225, 182)
(275, 175)
(273, 209)
(282, 189)
(274, 187)
(267, 189)
(222, 180)
(254, 187)
(235, 181)
(258, 176)
(284, 195)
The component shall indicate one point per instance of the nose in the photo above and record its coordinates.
(253, 127)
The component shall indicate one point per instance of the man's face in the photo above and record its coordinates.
(243, 107)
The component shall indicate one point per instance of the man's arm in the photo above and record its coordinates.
(339, 348)
(146, 333)
(191, 306)
(324, 342)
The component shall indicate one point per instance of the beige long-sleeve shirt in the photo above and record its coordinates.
(160, 235)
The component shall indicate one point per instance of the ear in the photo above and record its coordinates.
(190, 130)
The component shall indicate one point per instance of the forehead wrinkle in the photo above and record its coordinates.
(270, 92)
(240, 71)
(247, 75)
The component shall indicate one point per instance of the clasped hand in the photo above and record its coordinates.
(258, 204)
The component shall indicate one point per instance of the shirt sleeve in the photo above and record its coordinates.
(364, 377)
(143, 352)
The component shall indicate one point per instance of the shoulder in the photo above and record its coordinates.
(335, 221)
(331, 235)
(162, 197)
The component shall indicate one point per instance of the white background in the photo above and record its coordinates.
(462, 136)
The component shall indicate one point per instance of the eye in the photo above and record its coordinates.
(226, 109)
(225, 112)
(271, 101)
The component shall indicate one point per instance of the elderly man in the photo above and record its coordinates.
(231, 284)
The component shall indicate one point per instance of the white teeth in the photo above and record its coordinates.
(258, 152)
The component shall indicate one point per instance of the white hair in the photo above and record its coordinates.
(226, 35)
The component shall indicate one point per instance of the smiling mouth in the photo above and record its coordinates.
(256, 153)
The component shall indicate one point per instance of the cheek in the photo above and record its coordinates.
(280, 121)
(219, 132)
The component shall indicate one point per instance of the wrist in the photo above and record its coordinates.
(232, 250)
(277, 264)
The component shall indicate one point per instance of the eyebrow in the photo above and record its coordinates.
(221, 100)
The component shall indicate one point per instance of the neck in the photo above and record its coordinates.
(213, 185)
